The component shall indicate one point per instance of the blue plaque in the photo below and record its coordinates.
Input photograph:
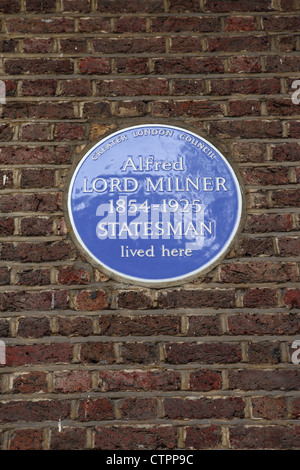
(154, 204)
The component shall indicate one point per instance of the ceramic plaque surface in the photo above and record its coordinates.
(154, 204)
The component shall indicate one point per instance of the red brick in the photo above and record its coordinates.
(8, 45)
(146, 325)
(266, 176)
(4, 276)
(68, 439)
(34, 132)
(72, 381)
(96, 109)
(292, 298)
(95, 409)
(102, 353)
(240, 23)
(36, 252)
(173, 24)
(40, 65)
(33, 26)
(204, 408)
(35, 6)
(75, 326)
(39, 110)
(73, 45)
(286, 198)
(132, 87)
(132, 65)
(26, 439)
(209, 353)
(134, 300)
(30, 382)
(281, 23)
(188, 86)
(35, 226)
(264, 379)
(138, 380)
(66, 131)
(248, 86)
(294, 129)
(39, 87)
(260, 297)
(288, 246)
(276, 63)
(242, 5)
(264, 352)
(21, 300)
(204, 325)
(6, 179)
(251, 43)
(39, 354)
(269, 408)
(203, 437)
(31, 202)
(71, 275)
(138, 408)
(264, 324)
(134, 6)
(244, 108)
(130, 24)
(205, 380)
(139, 353)
(260, 271)
(256, 247)
(94, 65)
(130, 109)
(194, 65)
(34, 277)
(281, 107)
(264, 437)
(254, 129)
(82, 6)
(38, 45)
(91, 300)
(186, 44)
(216, 298)
(6, 132)
(34, 411)
(94, 24)
(245, 64)
(10, 6)
(181, 6)
(77, 87)
(135, 438)
(263, 223)
(34, 327)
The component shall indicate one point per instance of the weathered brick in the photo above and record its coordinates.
(72, 381)
(29, 382)
(204, 408)
(264, 324)
(138, 408)
(34, 327)
(205, 380)
(203, 437)
(269, 407)
(264, 379)
(91, 300)
(39, 354)
(96, 409)
(216, 298)
(102, 353)
(26, 439)
(34, 411)
(173, 24)
(68, 439)
(209, 353)
(264, 437)
(262, 271)
(135, 438)
(138, 380)
(117, 325)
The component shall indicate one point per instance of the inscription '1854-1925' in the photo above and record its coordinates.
(154, 203)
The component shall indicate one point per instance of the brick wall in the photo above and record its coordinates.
(93, 363)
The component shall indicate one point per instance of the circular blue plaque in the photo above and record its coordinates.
(154, 204)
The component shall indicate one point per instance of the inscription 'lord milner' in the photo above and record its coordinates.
(154, 184)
